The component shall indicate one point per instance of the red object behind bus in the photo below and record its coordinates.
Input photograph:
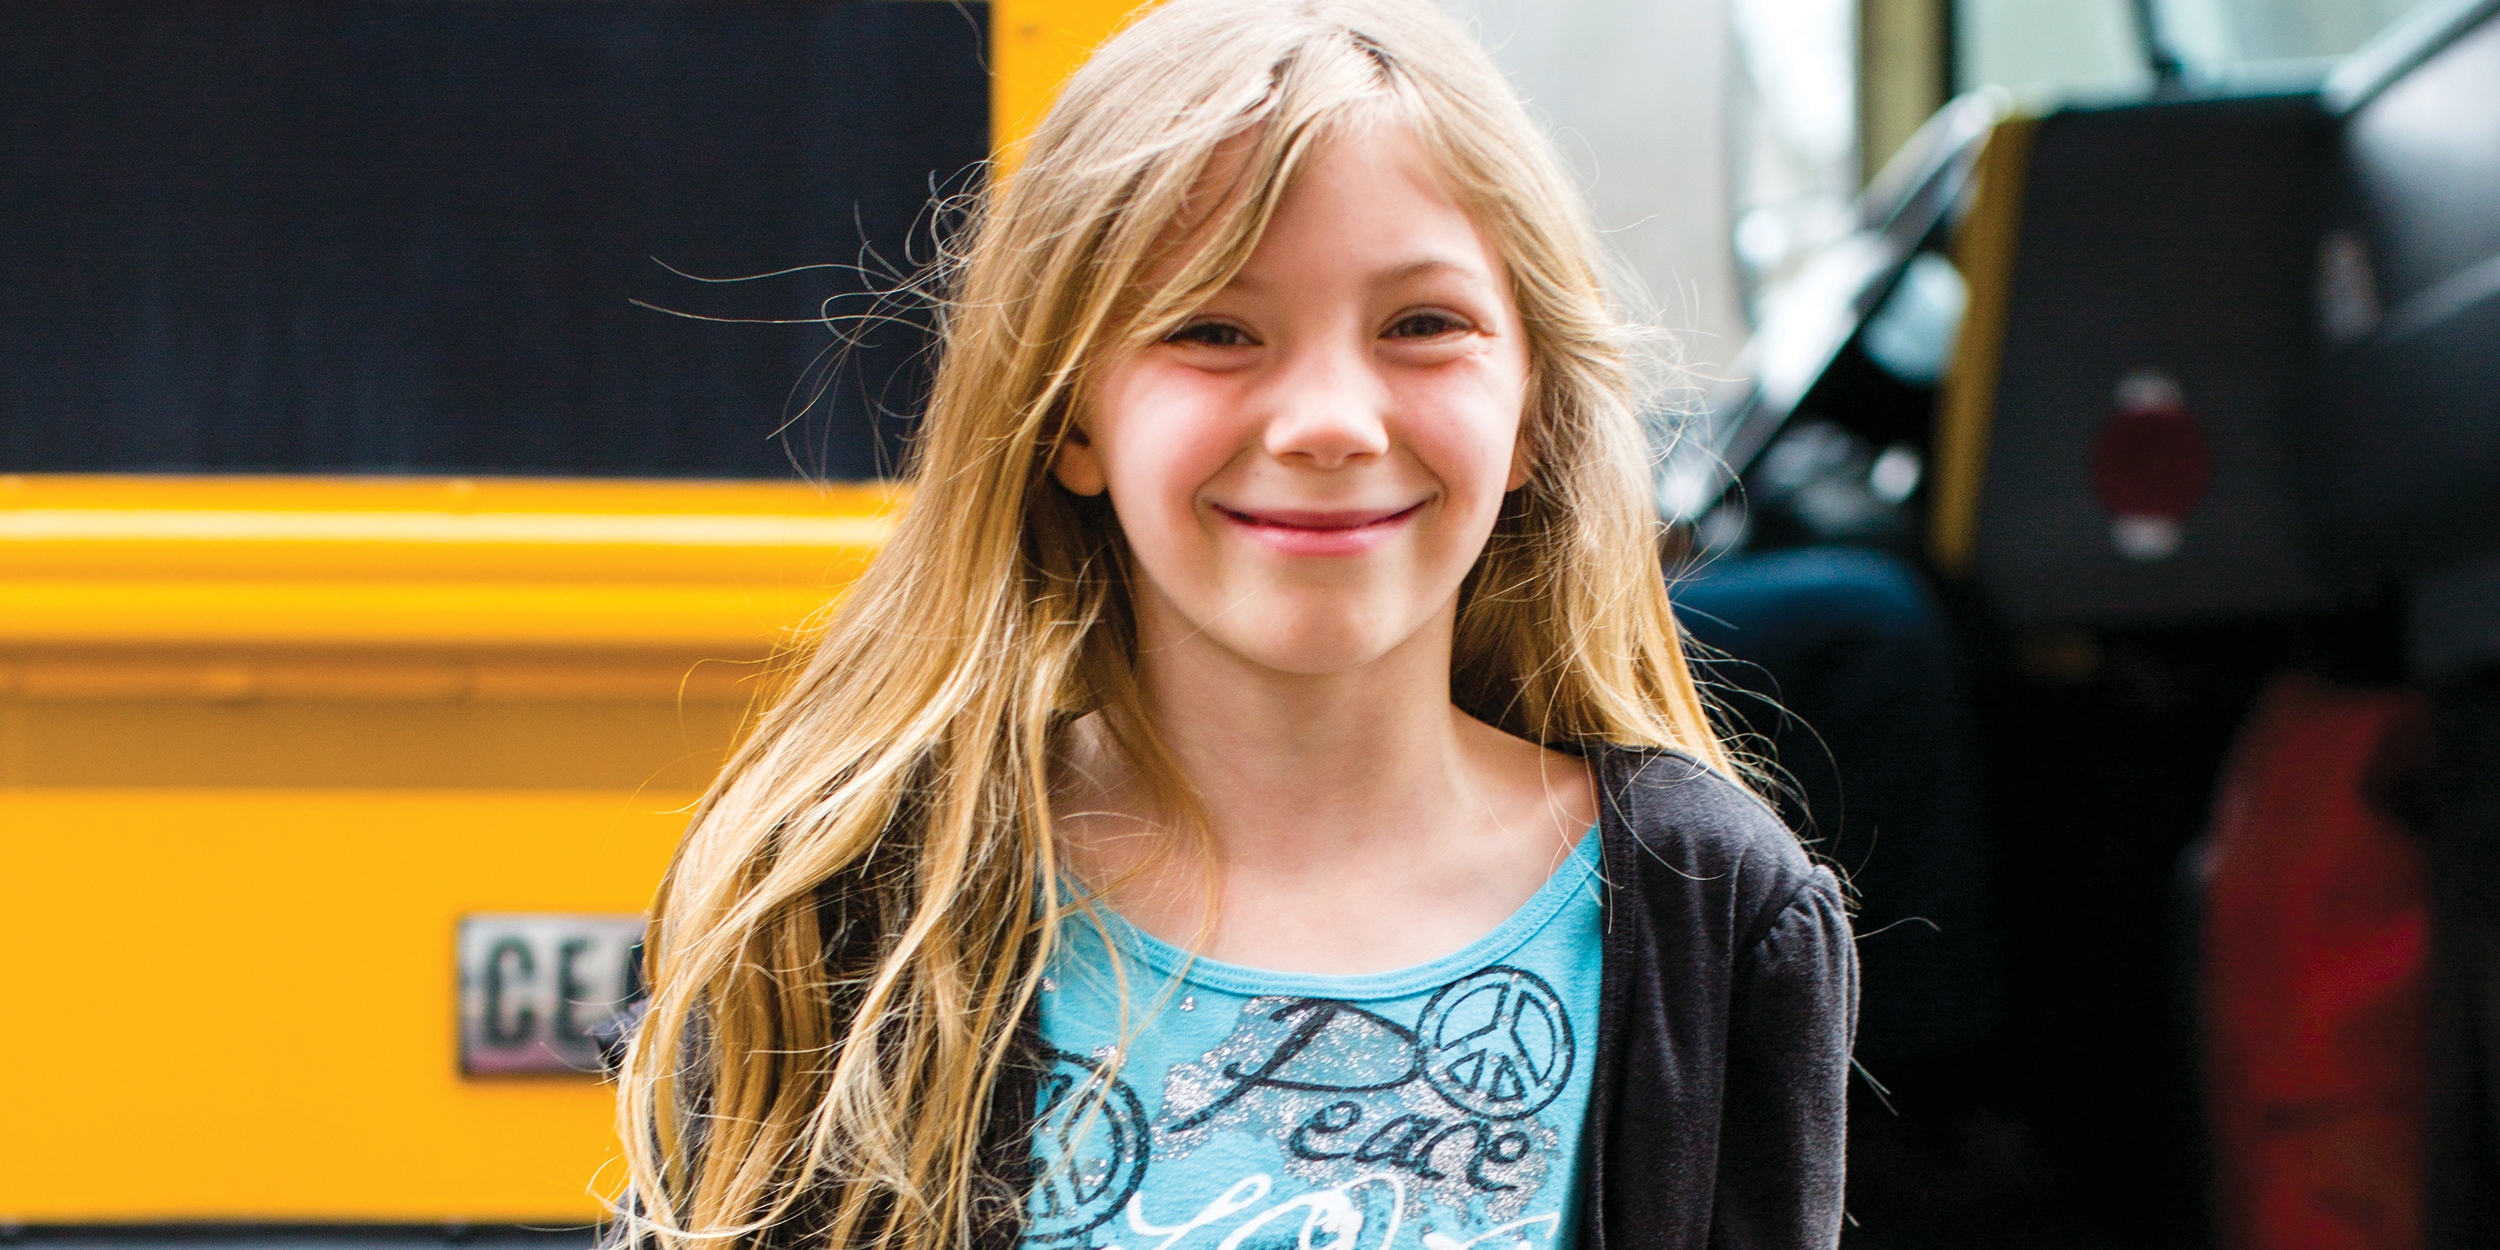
(2315, 936)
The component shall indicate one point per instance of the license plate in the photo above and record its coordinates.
(535, 990)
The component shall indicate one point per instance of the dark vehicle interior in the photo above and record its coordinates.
(2220, 449)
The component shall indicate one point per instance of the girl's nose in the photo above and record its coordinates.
(1326, 408)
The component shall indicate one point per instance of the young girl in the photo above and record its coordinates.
(1257, 798)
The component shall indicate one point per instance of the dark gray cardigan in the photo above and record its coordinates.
(1729, 1003)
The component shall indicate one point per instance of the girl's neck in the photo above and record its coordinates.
(1355, 820)
(1306, 767)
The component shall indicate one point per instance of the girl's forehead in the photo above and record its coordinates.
(1370, 194)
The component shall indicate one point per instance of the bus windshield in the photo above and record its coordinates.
(2083, 49)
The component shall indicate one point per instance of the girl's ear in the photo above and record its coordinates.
(1077, 463)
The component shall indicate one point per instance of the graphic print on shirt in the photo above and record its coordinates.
(1090, 1146)
(1430, 1124)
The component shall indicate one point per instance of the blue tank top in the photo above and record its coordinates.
(1436, 1107)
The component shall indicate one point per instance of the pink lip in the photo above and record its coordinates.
(1311, 532)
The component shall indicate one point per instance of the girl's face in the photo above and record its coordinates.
(1309, 466)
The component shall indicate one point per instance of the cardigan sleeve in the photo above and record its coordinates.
(1791, 1023)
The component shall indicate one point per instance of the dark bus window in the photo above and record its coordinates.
(386, 236)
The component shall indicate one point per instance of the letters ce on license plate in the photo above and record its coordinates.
(535, 990)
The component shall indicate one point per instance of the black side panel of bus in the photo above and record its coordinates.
(2405, 449)
(393, 235)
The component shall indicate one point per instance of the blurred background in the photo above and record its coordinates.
(421, 421)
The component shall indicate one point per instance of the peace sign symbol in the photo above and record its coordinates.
(1496, 1043)
(1090, 1143)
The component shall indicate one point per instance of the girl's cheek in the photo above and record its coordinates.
(1174, 437)
(1471, 425)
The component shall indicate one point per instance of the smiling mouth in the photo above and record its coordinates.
(1296, 533)
(1308, 521)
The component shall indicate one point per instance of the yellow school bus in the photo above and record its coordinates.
(268, 741)
(329, 803)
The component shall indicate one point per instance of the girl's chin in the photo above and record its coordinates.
(1306, 648)
(1298, 630)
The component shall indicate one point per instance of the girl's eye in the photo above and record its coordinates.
(1423, 325)
(1210, 334)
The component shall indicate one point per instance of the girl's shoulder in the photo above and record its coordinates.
(1696, 848)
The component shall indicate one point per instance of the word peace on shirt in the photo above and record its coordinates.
(1449, 1104)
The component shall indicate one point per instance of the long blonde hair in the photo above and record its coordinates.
(857, 919)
